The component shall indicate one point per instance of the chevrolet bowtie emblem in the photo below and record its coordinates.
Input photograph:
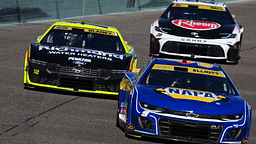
(190, 114)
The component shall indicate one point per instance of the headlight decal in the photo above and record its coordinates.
(227, 35)
(141, 124)
(39, 62)
(180, 114)
(156, 124)
(235, 125)
(145, 123)
(137, 109)
(233, 134)
(137, 96)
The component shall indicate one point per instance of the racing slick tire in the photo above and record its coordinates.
(117, 115)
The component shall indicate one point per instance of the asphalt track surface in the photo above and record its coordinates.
(52, 117)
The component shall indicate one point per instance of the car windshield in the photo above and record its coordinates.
(187, 80)
(79, 38)
(221, 17)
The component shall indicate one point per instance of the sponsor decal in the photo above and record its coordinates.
(104, 32)
(205, 65)
(195, 24)
(191, 95)
(60, 27)
(193, 40)
(215, 8)
(123, 110)
(190, 70)
(244, 141)
(124, 85)
(130, 127)
(206, 72)
(159, 35)
(79, 63)
(36, 72)
(52, 50)
(100, 32)
(27, 68)
(79, 59)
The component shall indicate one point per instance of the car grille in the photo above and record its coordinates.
(193, 49)
(81, 71)
(189, 130)
(76, 83)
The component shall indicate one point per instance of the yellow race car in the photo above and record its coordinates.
(79, 57)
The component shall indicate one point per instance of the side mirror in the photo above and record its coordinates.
(126, 42)
(233, 16)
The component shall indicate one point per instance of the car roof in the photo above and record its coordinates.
(85, 25)
(187, 63)
(198, 2)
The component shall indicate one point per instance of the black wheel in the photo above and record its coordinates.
(154, 46)
(117, 115)
(238, 51)
(126, 123)
(125, 127)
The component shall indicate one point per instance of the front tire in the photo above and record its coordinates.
(117, 115)
(154, 46)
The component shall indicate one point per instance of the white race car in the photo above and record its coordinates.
(197, 30)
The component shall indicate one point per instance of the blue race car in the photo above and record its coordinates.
(183, 101)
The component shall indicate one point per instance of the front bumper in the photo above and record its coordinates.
(72, 78)
(187, 129)
(216, 49)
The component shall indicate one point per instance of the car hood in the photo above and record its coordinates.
(190, 100)
(64, 55)
(197, 29)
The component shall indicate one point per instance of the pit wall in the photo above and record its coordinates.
(21, 11)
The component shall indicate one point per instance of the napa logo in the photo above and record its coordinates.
(191, 95)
